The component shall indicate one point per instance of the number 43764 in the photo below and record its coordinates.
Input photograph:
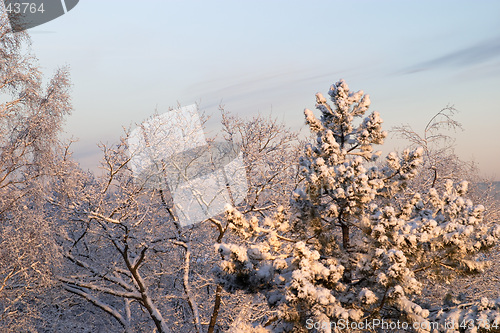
(24, 7)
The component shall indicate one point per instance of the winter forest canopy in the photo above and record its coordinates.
(329, 230)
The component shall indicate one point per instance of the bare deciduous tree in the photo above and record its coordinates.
(31, 117)
(127, 253)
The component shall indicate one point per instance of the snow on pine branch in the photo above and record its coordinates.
(357, 240)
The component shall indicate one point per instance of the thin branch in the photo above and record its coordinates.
(103, 306)
(91, 286)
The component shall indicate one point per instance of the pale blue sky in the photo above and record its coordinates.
(413, 58)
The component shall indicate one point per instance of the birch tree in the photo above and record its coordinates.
(31, 117)
(127, 254)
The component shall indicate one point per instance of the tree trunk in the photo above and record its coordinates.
(215, 313)
(345, 244)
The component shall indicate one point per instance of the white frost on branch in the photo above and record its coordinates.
(357, 240)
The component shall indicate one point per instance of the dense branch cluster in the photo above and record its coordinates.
(30, 119)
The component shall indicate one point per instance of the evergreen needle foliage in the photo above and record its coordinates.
(358, 243)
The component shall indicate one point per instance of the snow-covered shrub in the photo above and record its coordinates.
(355, 245)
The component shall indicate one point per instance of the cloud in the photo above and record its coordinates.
(264, 82)
(477, 54)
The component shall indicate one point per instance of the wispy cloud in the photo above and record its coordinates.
(477, 54)
(278, 82)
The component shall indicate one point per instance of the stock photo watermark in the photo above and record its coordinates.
(25, 14)
(170, 151)
(392, 325)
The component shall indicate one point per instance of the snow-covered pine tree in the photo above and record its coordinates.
(356, 244)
